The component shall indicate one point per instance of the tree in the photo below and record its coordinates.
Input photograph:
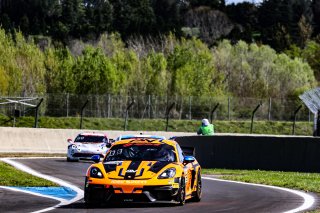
(211, 24)
(99, 14)
(167, 16)
(245, 14)
(316, 12)
(133, 17)
(59, 71)
(73, 16)
(192, 70)
(258, 71)
(279, 21)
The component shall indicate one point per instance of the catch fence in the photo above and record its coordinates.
(155, 107)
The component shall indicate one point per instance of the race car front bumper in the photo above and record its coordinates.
(88, 156)
(146, 194)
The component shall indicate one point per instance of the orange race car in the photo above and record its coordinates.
(143, 170)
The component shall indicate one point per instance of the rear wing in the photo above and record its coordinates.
(188, 151)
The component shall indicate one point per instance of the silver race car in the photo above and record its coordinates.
(86, 145)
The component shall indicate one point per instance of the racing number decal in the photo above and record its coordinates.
(188, 178)
(188, 181)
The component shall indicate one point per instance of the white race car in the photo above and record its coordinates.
(86, 145)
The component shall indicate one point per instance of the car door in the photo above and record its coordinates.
(189, 172)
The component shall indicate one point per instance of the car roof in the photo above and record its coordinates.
(124, 137)
(93, 134)
(146, 140)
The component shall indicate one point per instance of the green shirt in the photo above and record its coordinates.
(206, 130)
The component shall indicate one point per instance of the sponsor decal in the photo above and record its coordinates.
(128, 182)
(114, 162)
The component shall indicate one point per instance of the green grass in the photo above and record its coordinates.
(9, 176)
(294, 180)
(259, 127)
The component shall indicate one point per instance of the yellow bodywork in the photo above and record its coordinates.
(117, 179)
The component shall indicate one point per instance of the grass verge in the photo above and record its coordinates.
(9, 176)
(309, 182)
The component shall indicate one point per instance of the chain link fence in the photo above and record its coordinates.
(114, 106)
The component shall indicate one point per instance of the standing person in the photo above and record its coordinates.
(206, 128)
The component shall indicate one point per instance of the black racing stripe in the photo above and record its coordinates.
(134, 165)
(110, 167)
(155, 168)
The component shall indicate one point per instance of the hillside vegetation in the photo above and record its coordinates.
(199, 49)
(177, 68)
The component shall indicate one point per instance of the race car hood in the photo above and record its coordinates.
(90, 147)
(138, 170)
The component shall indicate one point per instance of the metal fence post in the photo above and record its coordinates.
(253, 112)
(82, 109)
(190, 107)
(229, 108)
(37, 114)
(67, 104)
(109, 105)
(213, 110)
(167, 115)
(126, 116)
(269, 110)
(149, 106)
(14, 116)
(295, 118)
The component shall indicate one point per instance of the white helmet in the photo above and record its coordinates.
(205, 122)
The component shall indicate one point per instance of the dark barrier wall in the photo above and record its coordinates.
(256, 152)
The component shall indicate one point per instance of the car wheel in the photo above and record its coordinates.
(88, 201)
(71, 160)
(198, 192)
(181, 196)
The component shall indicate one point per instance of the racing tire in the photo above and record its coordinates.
(71, 160)
(198, 192)
(181, 196)
(88, 201)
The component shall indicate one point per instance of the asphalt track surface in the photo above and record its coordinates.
(217, 196)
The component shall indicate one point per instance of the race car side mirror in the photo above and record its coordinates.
(95, 158)
(110, 142)
(69, 140)
(188, 159)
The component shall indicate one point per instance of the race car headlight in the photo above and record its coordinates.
(95, 173)
(169, 173)
(73, 146)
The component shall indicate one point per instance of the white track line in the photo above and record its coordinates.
(308, 199)
(63, 202)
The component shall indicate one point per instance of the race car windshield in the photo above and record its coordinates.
(142, 152)
(90, 139)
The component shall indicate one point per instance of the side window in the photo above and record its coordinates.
(180, 153)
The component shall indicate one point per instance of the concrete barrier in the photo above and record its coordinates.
(231, 151)
(280, 153)
(40, 140)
